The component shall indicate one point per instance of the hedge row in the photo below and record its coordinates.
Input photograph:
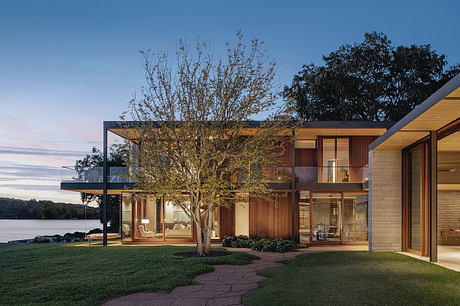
(260, 244)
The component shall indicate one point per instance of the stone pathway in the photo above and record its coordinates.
(224, 286)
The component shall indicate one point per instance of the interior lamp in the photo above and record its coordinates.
(145, 221)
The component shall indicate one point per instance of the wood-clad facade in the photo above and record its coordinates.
(307, 166)
(335, 172)
(271, 217)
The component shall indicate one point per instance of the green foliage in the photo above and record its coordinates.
(33, 209)
(372, 80)
(96, 159)
(240, 241)
(69, 275)
(260, 244)
(193, 124)
(356, 278)
(274, 245)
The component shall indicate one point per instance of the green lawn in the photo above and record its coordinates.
(65, 274)
(357, 278)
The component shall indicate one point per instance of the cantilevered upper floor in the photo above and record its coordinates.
(322, 155)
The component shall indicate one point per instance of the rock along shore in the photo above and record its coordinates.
(68, 237)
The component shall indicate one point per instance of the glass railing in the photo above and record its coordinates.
(94, 174)
(345, 174)
(278, 174)
(342, 174)
(349, 174)
(270, 174)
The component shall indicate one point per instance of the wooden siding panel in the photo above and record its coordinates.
(359, 150)
(306, 158)
(359, 155)
(286, 158)
(227, 221)
(270, 218)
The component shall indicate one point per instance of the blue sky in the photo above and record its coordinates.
(65, 66)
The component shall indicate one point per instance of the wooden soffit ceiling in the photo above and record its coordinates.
(440, 109)
(307, 133)
(450, 143)
(300, 133)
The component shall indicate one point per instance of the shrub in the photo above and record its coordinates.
(260, 244)
(237, 241)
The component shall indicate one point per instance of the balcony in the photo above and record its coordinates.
(332, 174)
(281, 177)
(71, 174)
(327, 174)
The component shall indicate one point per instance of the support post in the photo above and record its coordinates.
(293, 187)
(433, 197)
(104, 187)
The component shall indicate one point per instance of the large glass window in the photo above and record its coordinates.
(326, 217)
(304, 217)
(355, 216)
(148, 218)
(328, 160)
(215, 223)
(177, 223)
(126, 217)
(335, 167)
(333, 217)
(343, 153)
(415, 200)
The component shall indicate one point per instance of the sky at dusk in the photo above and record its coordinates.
(65, 66)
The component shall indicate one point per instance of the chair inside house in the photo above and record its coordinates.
(322, 232)
(126, 230)
(144, 233)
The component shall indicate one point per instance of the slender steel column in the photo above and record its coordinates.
(433, 196)
(104, 187)
(293, 187)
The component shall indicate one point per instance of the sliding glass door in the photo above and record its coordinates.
(326, 217)
(333, 217)
(177, 224)
(415, 199)
(148, 216)
(415, 205)
(304, 217)
(355, 217)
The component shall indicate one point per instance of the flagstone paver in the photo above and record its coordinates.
(225, 285)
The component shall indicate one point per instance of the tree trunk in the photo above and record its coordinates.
(208, 232)
(199, 236)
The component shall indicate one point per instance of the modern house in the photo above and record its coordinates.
(414, 179)
(393, 186)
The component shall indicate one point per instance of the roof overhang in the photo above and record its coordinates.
(128, 130)
(440, 109)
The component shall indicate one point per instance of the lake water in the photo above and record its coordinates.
(28, 229)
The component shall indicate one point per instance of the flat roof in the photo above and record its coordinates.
(126, 129)
(440, 109)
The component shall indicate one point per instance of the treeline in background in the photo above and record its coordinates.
(33, 209)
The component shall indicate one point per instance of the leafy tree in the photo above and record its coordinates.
(96, 159)
(372, 80)
(33, 209)
(192, 124)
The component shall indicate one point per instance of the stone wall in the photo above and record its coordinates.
(385, 200)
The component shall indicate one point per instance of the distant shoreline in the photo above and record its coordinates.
(27, 229)
(16, 209)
